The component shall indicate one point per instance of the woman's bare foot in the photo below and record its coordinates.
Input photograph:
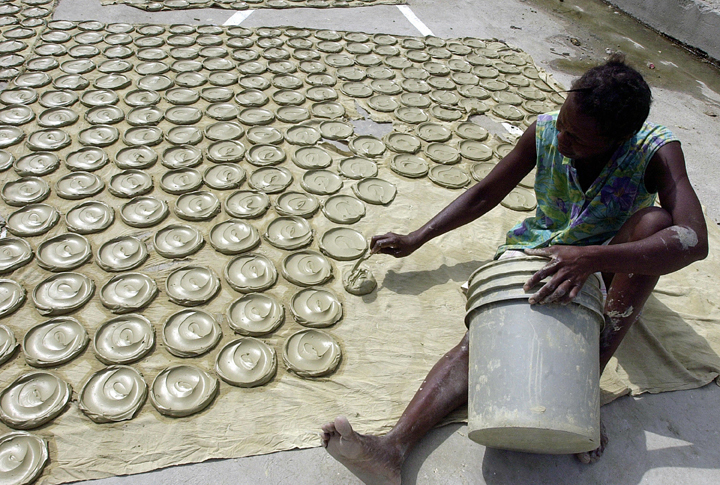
(589, 457)
(370, 458)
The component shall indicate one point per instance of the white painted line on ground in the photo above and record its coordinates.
(410, 15)
(238, 17)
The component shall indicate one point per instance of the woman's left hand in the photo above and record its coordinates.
(569, 268)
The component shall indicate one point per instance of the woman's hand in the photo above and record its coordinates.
(569, 269)
(397, 245)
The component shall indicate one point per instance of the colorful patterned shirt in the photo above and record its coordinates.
(568, 215)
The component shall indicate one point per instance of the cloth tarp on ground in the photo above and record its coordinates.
(390, 340)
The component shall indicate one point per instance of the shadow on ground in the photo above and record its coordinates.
(417, 282)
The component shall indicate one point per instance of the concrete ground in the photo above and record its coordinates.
(656, 439)
(661, 439)
(693, 22)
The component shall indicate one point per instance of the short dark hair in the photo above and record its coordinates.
(615, 95)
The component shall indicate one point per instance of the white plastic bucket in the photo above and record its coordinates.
(534, 370)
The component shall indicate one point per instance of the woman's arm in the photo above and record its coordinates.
(475, 202)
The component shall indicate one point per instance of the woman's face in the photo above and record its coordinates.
(578, 135)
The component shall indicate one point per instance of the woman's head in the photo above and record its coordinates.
(616, 96)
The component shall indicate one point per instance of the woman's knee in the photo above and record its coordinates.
(464, 345)
(644, 223)
(461, 350)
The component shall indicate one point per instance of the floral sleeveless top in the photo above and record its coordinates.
(565, 213)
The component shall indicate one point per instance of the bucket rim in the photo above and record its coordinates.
(509, 298)
(518, 259)
(498, 262)
(506, 273)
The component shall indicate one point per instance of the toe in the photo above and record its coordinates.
(342, 425)
(590, 457)
(583, 458)
(328, 428)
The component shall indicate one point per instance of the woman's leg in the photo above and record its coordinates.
(626, 296)
(379, 459)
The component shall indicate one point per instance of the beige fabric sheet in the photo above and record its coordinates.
(390, 340)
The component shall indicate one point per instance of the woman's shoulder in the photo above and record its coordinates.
(545, 126)
(550, 117)
(654, 133)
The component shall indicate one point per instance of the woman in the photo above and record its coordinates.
(599, 168)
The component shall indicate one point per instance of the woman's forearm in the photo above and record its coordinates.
(475, 202)
(664, 252)
(463, 210)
